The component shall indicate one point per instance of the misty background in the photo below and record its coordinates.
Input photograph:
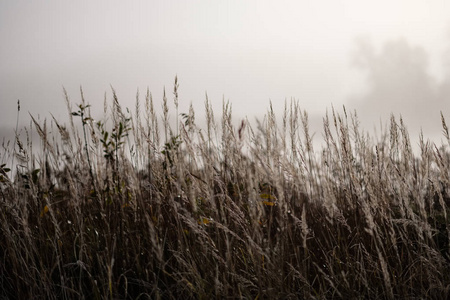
(377, 57)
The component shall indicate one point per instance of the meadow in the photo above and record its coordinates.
(130, 207)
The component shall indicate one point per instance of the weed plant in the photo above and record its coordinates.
(125, 210)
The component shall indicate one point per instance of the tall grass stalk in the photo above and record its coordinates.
(224, 211)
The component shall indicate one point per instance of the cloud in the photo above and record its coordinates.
(398, 82)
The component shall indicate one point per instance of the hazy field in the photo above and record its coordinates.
(130, 207)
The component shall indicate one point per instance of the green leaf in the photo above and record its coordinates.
(34, 175)
(3, 169)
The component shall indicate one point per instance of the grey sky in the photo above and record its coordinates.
(247, 51)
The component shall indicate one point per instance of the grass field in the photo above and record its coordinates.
(128, 207)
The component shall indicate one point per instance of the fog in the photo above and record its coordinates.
(377, 57)
(399, 82)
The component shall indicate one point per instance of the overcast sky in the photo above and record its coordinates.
(375, 56)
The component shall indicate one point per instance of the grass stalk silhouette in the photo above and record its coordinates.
(224, 211)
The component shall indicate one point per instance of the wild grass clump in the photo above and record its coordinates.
(127, 207)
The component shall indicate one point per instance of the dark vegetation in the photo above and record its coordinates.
(129, 208)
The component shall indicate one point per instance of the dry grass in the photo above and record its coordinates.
(122, 209)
